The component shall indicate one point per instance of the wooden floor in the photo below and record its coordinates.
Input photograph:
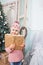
(1, 63)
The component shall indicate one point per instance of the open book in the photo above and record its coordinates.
(14, 39)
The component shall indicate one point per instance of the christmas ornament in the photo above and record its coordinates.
(0, 12)
(1, 17)
(3, 41)
(4, 32)
(0, 42)
(6, 23)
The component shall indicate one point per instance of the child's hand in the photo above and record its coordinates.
(12, 47)
(23, 45)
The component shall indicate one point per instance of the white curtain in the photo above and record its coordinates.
(34, 21)
(35, 14)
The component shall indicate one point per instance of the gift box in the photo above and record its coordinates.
(14, 39)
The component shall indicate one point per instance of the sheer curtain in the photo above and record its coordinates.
(35, 14)
(34, 22)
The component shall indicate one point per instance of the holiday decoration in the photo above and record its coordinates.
(3, 28)
(23, 31)
(0, 12)
(14, 39)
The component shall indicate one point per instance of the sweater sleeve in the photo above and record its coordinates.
(8, 50)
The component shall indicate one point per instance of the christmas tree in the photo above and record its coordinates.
(3, 28)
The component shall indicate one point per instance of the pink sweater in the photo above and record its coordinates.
(15, 56)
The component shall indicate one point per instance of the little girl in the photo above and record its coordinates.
(15, 56)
